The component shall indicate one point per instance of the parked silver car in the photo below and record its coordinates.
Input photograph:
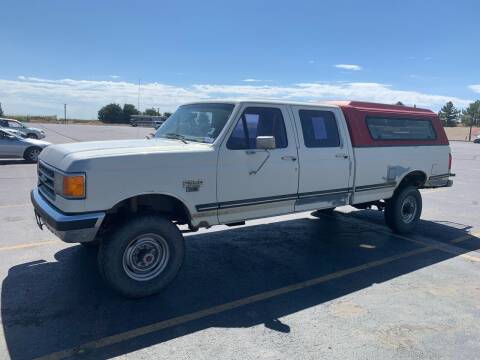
(33, 133)
(15, 146)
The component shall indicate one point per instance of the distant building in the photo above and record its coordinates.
(147, 120)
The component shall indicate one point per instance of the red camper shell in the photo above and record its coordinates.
(363, 118)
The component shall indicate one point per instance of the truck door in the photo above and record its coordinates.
(325, 158)
(251, 182)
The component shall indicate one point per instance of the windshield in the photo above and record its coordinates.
(196, 122)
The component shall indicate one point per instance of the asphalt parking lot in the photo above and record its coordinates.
(299, 287)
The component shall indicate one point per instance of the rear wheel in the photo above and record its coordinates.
(403, 210)
(142, 257)
(32, 136)
(31, 154)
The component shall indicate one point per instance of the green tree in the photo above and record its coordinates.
(399, 103)
(129, 110)
(166, 115)
(151, 112)
(1, 110)
(471, 116)
(111, 113)
(448, 114)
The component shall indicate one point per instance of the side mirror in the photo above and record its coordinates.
(266, 142)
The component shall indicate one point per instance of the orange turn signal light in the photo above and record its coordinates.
(74, 186)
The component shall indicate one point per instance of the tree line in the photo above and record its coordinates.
(116, 114)
(451, 116)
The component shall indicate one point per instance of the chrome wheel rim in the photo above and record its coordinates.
(409, 209)
(146, 257)
(34, 154)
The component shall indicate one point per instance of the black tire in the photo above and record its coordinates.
(31, 154)
(32, 136)
(403, 210)
(120, 256)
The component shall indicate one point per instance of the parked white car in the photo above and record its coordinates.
(13, 145)
(228, 162)
(30, 132)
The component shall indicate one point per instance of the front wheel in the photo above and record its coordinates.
(31, 154)
(32, 136)
(403, 210)
(142, 256)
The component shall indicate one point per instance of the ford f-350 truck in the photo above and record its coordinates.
(225, 162)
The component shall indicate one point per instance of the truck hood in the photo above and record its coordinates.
(60, 156)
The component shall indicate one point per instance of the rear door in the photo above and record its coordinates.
(10, 146)
(325, 158)
(253, 183)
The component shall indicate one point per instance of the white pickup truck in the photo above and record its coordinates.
(226, 162)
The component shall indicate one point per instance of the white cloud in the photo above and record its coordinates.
(251, 80)
(31, 95)
(114, 76)
(475, 88)
(319, 91)
(352, 67)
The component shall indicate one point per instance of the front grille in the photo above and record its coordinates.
(46, 180)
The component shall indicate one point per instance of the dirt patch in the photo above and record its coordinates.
(461, 133)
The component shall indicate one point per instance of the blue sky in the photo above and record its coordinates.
(89, 53)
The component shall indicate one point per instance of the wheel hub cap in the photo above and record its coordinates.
(146, 257)
(409, 209)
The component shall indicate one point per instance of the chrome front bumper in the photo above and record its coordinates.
(71, 228)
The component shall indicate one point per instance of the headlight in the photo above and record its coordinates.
(70, 186)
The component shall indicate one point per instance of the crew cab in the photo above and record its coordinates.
(226, 162)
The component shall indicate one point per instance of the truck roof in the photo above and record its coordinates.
(370, 106)
(353, 104)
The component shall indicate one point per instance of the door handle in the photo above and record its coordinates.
(342, 156)
(289, 157)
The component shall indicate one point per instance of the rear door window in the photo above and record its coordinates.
(384, 128)
(319, 128)
(258, 121)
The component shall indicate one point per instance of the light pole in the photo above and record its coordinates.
(65, 113)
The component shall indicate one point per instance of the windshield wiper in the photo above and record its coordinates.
(176, 136)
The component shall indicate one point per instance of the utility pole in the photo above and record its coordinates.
(65, 112)
(470, 132)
